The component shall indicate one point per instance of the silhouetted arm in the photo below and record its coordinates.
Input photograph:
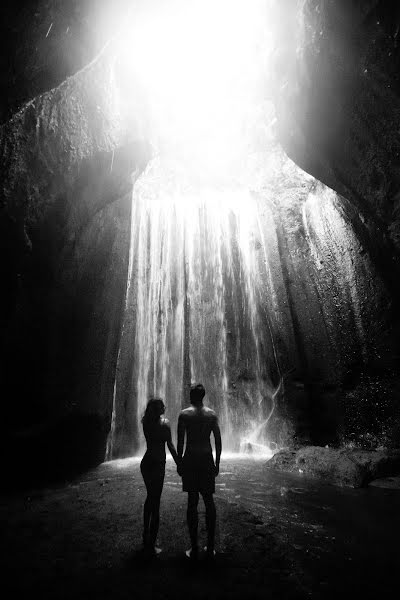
(181, 441)
(218, 444)
(181, 436)
(170, 443)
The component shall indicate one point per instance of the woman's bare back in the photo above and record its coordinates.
(156, 436)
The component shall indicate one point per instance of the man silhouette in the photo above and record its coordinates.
(197, 466)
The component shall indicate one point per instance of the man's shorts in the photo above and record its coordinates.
(198, 474)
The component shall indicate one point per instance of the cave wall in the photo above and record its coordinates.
(62, 346)
(69, 160)
(331, 313)
(61, 335)
(337, 95)
(43, 42)
(64, 211)
(341, 327)
(335, 86)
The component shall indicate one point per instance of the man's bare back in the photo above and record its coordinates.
(199, 423)
(196, 424)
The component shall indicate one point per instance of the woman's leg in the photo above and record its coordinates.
(157, 488)
(152, 505)
(155, 519)
(146, 520)
(146, 474)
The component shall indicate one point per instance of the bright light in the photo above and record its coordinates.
(121, 464)
(247, 456)
(200, 66)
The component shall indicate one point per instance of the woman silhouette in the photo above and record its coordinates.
(157, 432)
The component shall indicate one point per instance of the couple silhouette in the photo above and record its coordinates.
(194, 461)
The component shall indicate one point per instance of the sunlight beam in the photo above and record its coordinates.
(200, 65)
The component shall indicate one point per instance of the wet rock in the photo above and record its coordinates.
(344, 467)
(283, 460)
(51, 146)
(342, 129)
(391, 483)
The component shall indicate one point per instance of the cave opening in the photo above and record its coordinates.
(219, 219)
(257, 250)
(201, 191)
(196, 269)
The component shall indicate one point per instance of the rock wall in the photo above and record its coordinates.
(331, 314)
(43, 42)
(62, 346)
(67, 159)
(336, 89)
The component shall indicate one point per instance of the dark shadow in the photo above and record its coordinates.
(178, 563)
(54, 452)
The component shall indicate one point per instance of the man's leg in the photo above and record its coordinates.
(193, 520)
(211, 517)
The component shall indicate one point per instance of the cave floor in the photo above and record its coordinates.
(278, 536)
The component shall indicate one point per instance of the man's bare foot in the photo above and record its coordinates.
(210, 553)
(151, 551)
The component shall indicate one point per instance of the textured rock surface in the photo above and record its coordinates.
(61, 345)
(390, 483)
(43, 42)
(44, 146)
(66, 158)
(330, 312)
(345, 467)
(338, 103)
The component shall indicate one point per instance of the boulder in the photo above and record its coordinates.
(343, 467)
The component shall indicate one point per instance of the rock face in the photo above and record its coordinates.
(336, 91)
(46, 147)
(67, 158)
(336, 343)
(338, 104)
(61, 347)
(43, 42)
(345, 467)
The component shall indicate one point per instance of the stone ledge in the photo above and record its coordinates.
(343, 467)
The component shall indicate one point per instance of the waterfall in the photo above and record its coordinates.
(209, 292)
(197, 275)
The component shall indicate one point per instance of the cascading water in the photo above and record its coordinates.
(237, 286)
(198, 270)
(225, 276)
(196, 273)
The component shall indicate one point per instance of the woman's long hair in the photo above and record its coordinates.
(154, 409)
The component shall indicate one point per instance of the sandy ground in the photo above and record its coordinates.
(82, 539)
